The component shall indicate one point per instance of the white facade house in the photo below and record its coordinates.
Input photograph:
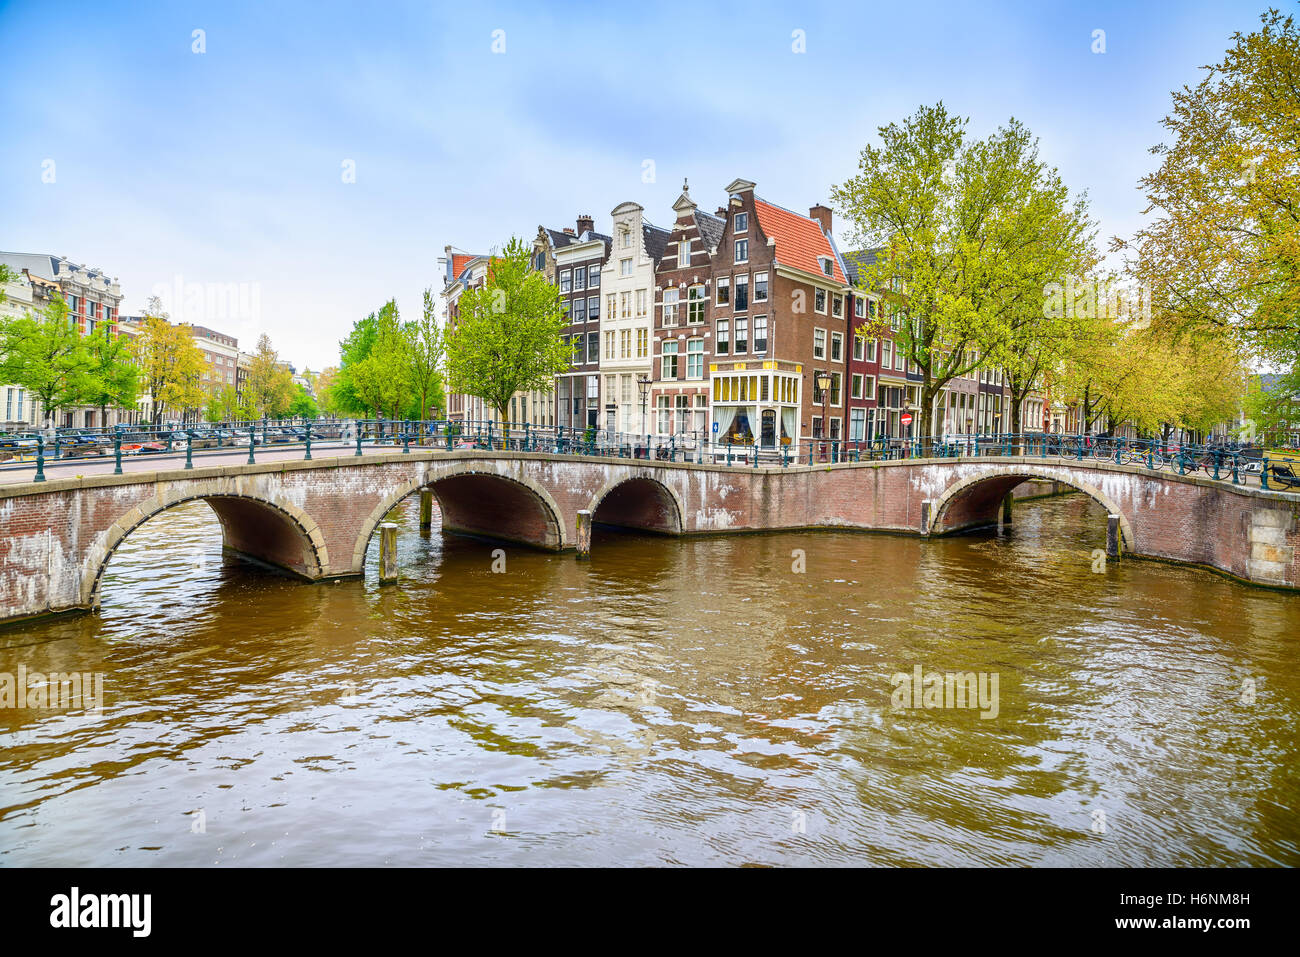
(628, 287)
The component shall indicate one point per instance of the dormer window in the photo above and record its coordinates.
(825, 264)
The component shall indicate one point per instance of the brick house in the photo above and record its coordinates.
(781, 315)
(578, 263)
(682, 333)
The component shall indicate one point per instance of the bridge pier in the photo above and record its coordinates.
(584, 533)
(1113, 536)
(1006, 509)
(387, 553)
(426, 509)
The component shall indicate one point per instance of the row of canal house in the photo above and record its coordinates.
(724, 324)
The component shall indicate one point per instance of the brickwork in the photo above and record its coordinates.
(315, 519)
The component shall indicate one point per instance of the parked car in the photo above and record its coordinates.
(74, 442)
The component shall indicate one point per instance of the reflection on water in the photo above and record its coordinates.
(693, 701)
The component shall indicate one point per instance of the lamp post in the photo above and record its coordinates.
(643, 383)
(824, 385)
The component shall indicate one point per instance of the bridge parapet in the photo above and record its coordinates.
(315, 518)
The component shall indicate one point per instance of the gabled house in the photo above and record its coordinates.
(682, 333)
(628, 287)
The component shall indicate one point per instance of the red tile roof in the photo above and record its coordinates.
(458, 263)
(799, 240)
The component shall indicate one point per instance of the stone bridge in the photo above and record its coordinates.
(316, 518)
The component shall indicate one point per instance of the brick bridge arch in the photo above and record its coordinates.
(285, 535)
(639, 501)
(973, 501)
(526, 512)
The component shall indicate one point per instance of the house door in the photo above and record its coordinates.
(769, 429)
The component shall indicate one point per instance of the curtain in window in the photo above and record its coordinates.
(787, 423)
(726, 414)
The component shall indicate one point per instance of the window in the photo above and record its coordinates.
(609, 345)
(664, 414)
(626, 236)
(593, 308)
(859, 346)
(819, 343)
(593, 277)
(742, 251)
(625, 343)
(724, 291)
(695, 358)
(695, 305)
(819, 301)
(856, 386)
(670, 306)
(539, 261)
(826, 265)
(682, 403)
(742, 293)
(742, 335)
(740, 223)
(625, 304)
(817, 425)
(837, 346)
(760, 287)
(640, 302)
(580, 310)
(566, 281)
(835, 428)
(577, 343)
(723, 345)
(593, 347)
(668, 362)
(899, 362)
(683, 254)
(837, 306)
(859, 307)
(886, 353)
(579, 279)
(701, 412)
(857, 425)
(625, 267)
(760, 334)
(835, 388)
(642, 343)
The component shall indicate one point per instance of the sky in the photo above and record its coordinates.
(291, 166)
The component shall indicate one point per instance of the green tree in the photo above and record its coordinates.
(343, 398)
(113, 380)
(507, 336)
(1222, 250)
(268, 386)
(424, 352)
(381, 380)
(223, 405)
(966, 232)
(303, 406)
(47, 356)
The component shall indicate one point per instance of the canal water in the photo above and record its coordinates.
(729, 700)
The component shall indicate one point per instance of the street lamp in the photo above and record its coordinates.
(643, 383)
(824, 385)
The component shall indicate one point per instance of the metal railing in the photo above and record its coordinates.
(57, 450)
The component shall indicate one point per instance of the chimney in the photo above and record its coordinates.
(823, 215)
(586, 224)
(722, 212)
(568, 230)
